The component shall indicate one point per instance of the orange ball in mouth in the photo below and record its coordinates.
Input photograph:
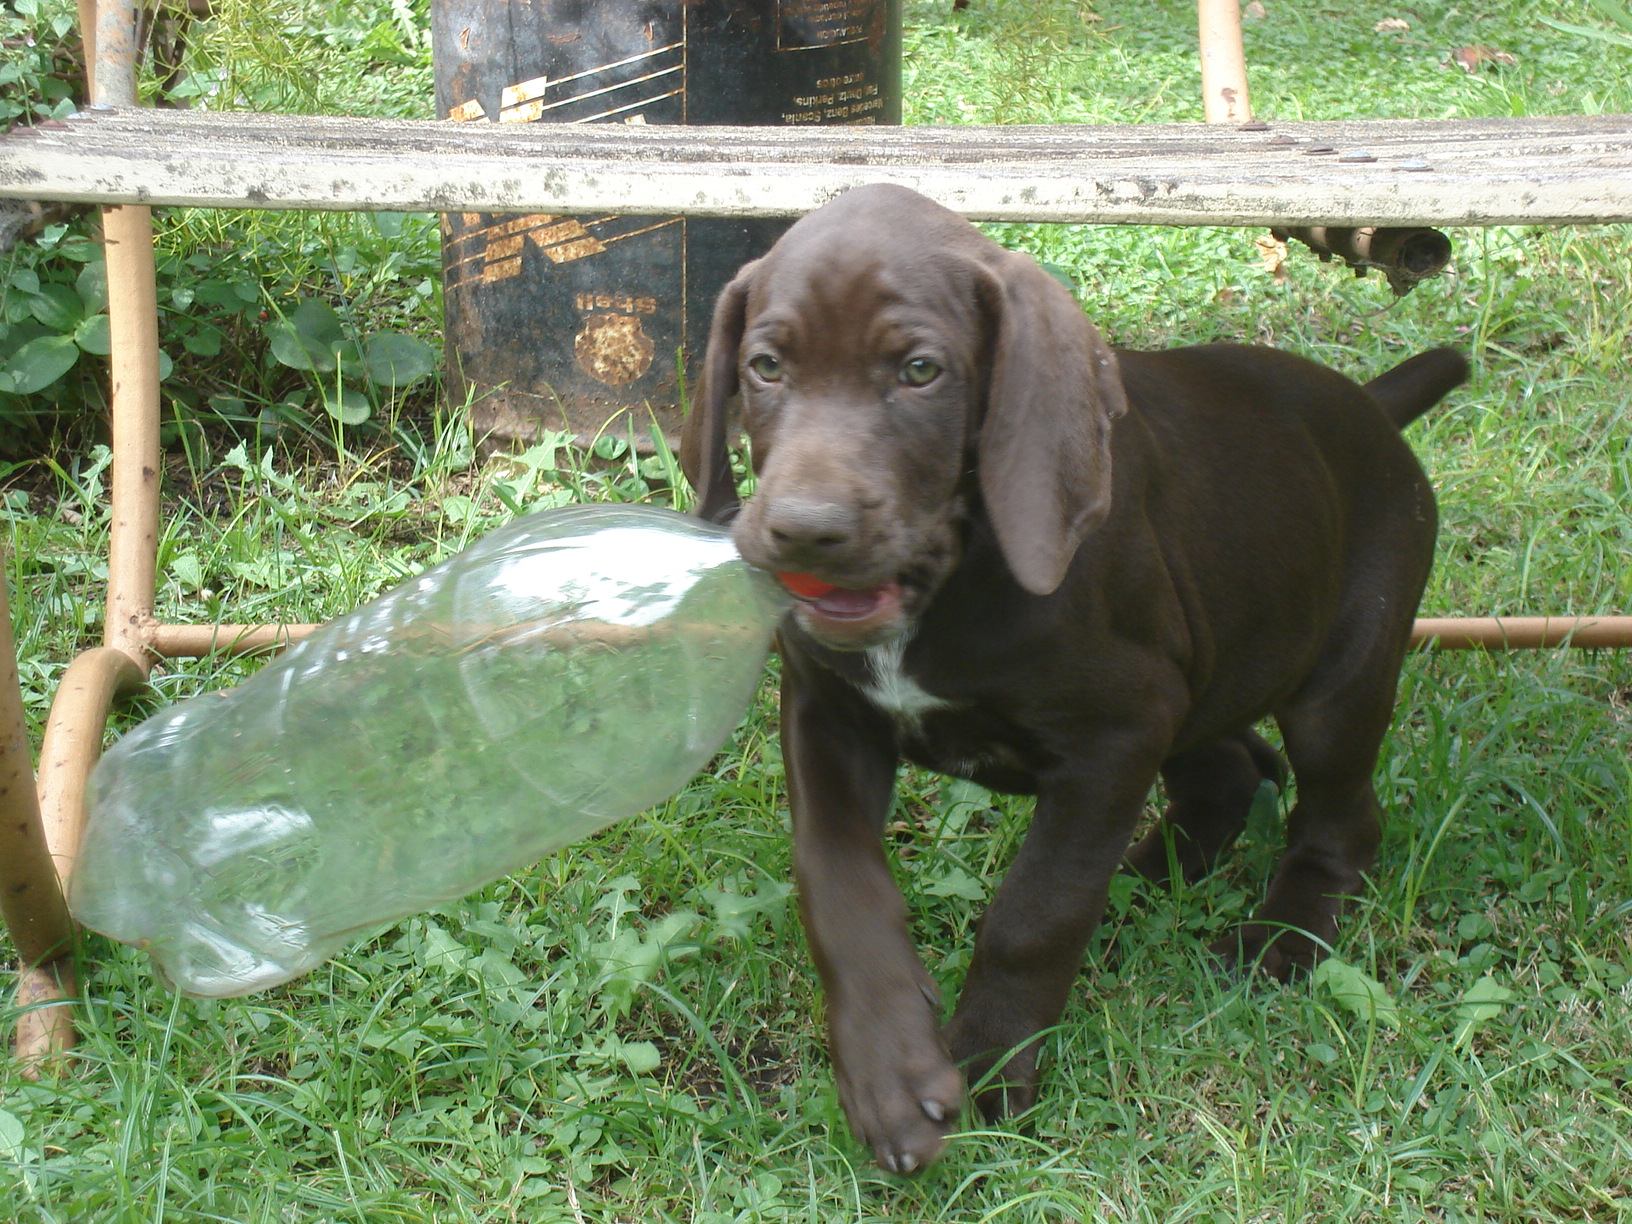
(842, 618)
(806, 586)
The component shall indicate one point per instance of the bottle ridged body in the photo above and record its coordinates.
(568, 670)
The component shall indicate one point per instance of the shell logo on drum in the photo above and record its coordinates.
(613, 349)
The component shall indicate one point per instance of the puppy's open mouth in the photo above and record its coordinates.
(844, 616)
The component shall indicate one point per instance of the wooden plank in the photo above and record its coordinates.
(1422, 172)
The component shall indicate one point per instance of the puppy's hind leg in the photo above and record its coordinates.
(1333, 728)
(1210, 791)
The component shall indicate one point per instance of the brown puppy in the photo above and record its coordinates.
(1058, 569)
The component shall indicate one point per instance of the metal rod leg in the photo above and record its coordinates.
(133, 324)
(30, 893)
(73, 742)
(1223, 63)
(1523, 632)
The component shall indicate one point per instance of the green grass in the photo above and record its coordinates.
(630, 1030)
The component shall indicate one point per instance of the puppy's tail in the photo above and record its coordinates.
(1412, 387)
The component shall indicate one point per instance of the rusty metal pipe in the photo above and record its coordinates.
(127, 235)
(79, 713)
(1523, 632)
(196, 641)
(1404, 255)
(1416, 254)
(73, 742)
(112, 50)
(89, 43)
(1444, 633)
(30, 893)
(40, 925)
(1223, 62)
(134, 529)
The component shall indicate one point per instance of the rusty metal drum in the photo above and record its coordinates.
(582, 323)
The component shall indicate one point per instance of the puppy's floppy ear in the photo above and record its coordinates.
(1045, 443)
(704, 452)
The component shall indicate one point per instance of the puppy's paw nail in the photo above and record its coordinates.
(904, 1163)
(933, 1110)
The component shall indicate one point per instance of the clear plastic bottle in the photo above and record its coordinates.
(572, 668)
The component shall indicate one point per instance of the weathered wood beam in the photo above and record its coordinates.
(1420, 172)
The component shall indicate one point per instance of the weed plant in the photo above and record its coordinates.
(274, 326)
(630, 1031)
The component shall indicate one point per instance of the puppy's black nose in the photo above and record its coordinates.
(808, 527)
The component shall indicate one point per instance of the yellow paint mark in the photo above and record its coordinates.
(568, 251)
(560, 232)
(524, 102)
(523, 223)
(528, 112)
(501, 229)
(502, 271)
(504, 248)
(466, 111)
(526, 91)
(502, 240)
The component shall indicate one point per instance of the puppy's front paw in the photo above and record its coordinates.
(904, 1114)
(1276, 951)
(1000, 1060)
(899, 1090)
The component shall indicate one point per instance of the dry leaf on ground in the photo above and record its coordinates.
(1469, 58)
(1272, 253)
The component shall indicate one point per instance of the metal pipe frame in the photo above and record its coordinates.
(196, 641)
(30, 893)
(73, 742)
(1523, 632)
(1223, 62)
(79, 711)
(41, 837)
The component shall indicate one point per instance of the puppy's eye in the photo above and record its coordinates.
(766, 368)
(920, 372)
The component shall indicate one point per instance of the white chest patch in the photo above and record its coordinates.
(895, 692)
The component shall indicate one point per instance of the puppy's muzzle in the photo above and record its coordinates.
(807, 533)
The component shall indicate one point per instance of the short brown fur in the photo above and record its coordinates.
(1088, 568)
